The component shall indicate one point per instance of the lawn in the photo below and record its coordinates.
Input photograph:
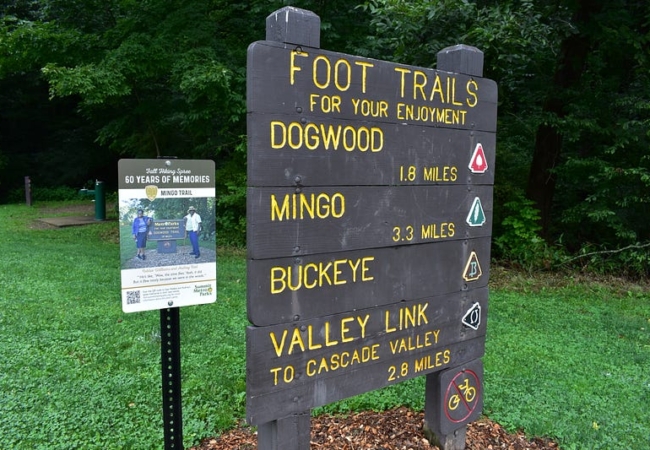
(566, 357)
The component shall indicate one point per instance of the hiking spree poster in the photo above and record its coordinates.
(167, 233)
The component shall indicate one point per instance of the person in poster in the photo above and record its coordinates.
(193, 228)
(140, 229)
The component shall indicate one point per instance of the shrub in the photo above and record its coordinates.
(519, 242)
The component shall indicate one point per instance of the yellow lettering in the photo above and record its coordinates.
(354, 265)
(277, 281)
(453, 93)
(421, 314)
(293, 67)
(314, 136)
(338, 272)
(277, 212)
(278, 347)
(275, 124)
(326, 103)
(328, 69)
(472, 88)
(364, 66)
(275, 375)
(309, 369)
(312, 346)
(418, 86)
(365, 269)
(296, 339)
(363, 323)
(437, 89)
(388, 328)
(302, 206)
(323, 366)
(291, 274)
(344, 63)
(402, 79)
(319, 274)
(328, 342)
(323, 275)
(314, 267)
(312, 141)
(345, 330)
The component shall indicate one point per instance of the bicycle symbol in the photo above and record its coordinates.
(468, 395)
(463, 396)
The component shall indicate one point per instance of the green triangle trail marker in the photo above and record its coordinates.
(476, 216)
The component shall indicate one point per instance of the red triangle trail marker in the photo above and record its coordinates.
(478, 163)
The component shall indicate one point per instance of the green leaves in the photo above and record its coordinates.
(95, 84)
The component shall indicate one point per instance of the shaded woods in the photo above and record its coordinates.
(84, 83)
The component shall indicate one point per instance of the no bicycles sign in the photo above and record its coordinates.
(462, 396)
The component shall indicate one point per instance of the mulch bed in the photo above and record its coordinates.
(396, 429)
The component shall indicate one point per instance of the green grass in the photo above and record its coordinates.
(566, 360)
(573, 363)
(78, 373)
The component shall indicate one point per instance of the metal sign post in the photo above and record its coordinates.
(154, 195)
(170, 360)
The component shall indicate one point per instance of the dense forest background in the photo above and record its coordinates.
(84, 83)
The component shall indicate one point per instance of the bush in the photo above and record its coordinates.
(44, 194)
(519, 242)
(632, 261)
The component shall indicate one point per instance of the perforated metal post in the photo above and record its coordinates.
(170, 352)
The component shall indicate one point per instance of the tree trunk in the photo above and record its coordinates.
(548, 139)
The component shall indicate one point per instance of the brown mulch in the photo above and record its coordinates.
(397, 429)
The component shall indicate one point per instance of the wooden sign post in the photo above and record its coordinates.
(368, 229)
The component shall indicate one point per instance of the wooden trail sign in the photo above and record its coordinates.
(369, 218)
(315, 362)
(284, 290)
(283, 155)
(351, 218)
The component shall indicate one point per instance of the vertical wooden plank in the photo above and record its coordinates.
(292, 432)
(466, 60)
(294, 26)
(301, 27)
(463, 59)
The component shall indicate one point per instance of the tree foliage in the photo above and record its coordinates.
(85, 82)
(573, 112)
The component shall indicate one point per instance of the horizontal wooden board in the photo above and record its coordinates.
(300, 288)
(285, 152)
(275, 405)
(414, 327)
(329, 84)
(293, 222)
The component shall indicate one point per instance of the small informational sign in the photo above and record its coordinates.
(462, 396)
(158, 197)
(167, 229)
